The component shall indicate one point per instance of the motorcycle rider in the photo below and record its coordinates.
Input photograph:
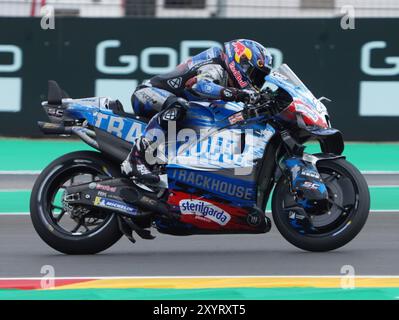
(235, 73)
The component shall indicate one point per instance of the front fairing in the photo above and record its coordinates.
(312, 110)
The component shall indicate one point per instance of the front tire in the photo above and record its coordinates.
(334, 229)
(46, 222)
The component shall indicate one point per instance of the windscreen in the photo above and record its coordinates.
(285, 78)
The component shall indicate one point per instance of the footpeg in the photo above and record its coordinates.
(144, 234)
(124, 228)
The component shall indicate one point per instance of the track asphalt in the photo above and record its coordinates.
(23, 253)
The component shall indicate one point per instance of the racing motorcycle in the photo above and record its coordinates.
(219, 180)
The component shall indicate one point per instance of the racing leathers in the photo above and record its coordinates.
(202, 77)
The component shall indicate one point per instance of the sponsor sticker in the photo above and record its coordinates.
(310, 185)
(102, 194)
(310, 173)
(55, 112)
(114, 204)
(278, 76)
(204, 209)
(103, 187)
(231, 188)
(237, 74)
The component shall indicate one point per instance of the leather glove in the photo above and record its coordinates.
(248, 96)
(245, 95)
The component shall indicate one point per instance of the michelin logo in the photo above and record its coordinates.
(205, 209)
(119, 205)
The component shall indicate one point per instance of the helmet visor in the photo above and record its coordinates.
(257, 76)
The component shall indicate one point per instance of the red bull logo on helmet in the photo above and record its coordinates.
(241, 51)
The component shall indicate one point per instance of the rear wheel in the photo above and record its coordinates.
(73, 230)
(349, 201)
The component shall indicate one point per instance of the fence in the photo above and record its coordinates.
(202, 8)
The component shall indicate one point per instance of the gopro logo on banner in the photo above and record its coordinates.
(120, 88)
(11, 102)
(142, 61)
(378, 98)
(204, 209)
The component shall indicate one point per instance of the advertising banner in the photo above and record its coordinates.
(358, 69)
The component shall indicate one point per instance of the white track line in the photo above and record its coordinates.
(195, 277)
(379, 172)
(14, 213)
(20, 172)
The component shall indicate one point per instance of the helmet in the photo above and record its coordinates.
(248, 62)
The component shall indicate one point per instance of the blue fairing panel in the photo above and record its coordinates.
(223, 184)
(123, 127)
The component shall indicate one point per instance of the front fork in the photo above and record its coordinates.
(306, 183)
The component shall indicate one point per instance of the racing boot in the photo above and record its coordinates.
(135, 164)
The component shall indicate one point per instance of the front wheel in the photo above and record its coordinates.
(69, 229)
(349, 200)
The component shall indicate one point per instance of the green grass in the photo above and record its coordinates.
(386, 198)
(24, 154)
(205, 294)
(369, 156)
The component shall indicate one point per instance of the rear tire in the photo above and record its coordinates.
(43, 222)
(341, 234)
